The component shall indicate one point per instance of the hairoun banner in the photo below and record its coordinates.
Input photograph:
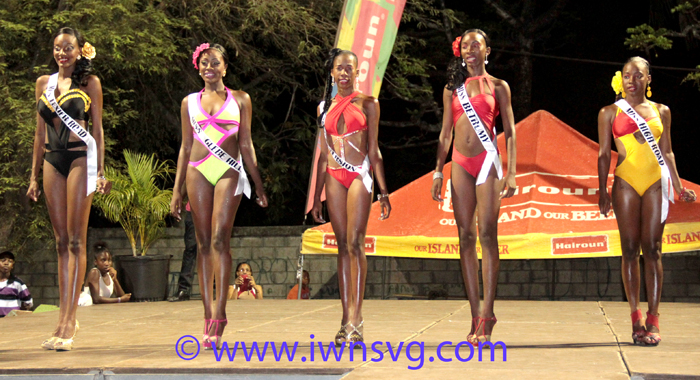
(554, 213)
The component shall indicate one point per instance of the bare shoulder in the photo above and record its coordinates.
(185, 102)
(41, 82)
(93, 81)
(663, 109)
(94, 274)
(447, 92)
(241, 97)
(500, 84)
(369, 103)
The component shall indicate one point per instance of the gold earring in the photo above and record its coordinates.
(623, 94)
(224, 72)
(648, 91)
(79, 57)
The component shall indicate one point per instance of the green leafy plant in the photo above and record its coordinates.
(136, 202)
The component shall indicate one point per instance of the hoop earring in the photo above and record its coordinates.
(486, 61)
(463, 62)
(648, 91)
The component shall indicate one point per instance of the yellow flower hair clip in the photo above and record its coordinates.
(88, 51)
(617, 84)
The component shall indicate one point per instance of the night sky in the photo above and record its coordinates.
(574, 91)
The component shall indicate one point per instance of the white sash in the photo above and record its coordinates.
(489, 145)
(243, 184)
(666, 187)
(363, 169)
(78, 130)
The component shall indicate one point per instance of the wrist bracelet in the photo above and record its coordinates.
(437, 175)
(119, 300)
(102, 178)
(380, 196)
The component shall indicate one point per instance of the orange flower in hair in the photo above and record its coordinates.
(455, 46)
(88, 51)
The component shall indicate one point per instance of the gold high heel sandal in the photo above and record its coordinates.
(355, 335)
(66, 344)
(341, 335)
(49, 343)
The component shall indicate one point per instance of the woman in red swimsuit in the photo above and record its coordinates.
(350, 151)
(477, 187)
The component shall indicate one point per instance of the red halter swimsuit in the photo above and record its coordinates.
(355, 122)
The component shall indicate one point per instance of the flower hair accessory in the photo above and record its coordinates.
(197, 52)
(617, 84)
(455, 46)
(88, 51)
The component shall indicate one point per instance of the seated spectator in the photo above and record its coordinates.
(244, 287)
(102, 280)
(305, 292)
(14, 294)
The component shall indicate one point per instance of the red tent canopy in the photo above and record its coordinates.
(554, 213)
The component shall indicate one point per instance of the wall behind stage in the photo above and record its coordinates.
(272, 253)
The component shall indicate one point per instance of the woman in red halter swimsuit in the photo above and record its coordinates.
(351, 127)
(488, 96)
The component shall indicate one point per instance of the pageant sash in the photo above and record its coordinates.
(666, 186)
(78, 130)
(215, 149)
(362, 170)
(489, 145)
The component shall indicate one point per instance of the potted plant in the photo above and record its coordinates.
(140, 206)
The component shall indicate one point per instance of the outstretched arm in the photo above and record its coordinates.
(245, 142)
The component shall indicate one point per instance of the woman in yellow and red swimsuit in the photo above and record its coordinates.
(214, 188)
(637, 190)
(489, 97)
(351, 125)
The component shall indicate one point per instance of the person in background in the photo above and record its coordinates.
(305, 292)
(244, 287)
(14, 294)
(189, 259)
(102, 280)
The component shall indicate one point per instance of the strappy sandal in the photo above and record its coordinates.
(205, 339)
(355, 335)
(481, 326)
(639, 334)
(215, 340)
(650, 338)
(66, 344)
(475, 321)
(341, 335)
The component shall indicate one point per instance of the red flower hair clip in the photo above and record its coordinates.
(455, 46)
(197, 52)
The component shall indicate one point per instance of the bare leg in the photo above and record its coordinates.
(652, 233)
(78, 216)
(225, 208)
(359, 202)
(488, 203)
(57, 204)
(336, 199)
(627, 206)
(464, 205)
(201, 198)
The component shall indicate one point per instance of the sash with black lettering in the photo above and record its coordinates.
(666, 186)
(216, 150)
(78, 130)
(489, 145)
(362, 170)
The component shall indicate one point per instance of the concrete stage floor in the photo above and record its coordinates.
(545, 340)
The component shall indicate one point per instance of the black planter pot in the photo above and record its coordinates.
(145, 277)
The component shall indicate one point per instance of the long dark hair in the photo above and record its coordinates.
(328, 66)
(83, 66)
(644, 61)
(456, 72)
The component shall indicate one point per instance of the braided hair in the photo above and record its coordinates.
(456, 73)
(328, 66)
(83, 66)
(633, 59)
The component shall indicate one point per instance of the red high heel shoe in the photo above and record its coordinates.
(215, 341)
(205, 339)
(474, 325)
(638, 335)
(650, 338)
(481, 326)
